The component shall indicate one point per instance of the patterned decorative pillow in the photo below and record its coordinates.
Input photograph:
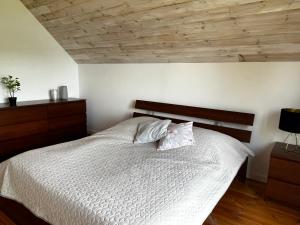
(151, 131)
(179, 135)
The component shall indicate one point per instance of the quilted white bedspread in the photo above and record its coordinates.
(105, 179)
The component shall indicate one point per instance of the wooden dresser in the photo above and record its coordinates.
(34, 124)
(284, 175)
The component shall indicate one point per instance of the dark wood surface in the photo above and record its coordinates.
(284, 175)
(285, 170)
(283, 192)
(4, 220)
(242, 173)
(34, 124)
(47, 102)
(197, 112)
(244, 204)
(241, 135)
(18, 214)
(17, 115)
(279, 151)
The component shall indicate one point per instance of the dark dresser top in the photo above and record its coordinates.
(4, 106)
(279, 152)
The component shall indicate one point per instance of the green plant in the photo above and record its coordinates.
(11, 84)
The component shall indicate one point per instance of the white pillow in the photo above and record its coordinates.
(179, 135)
(151, 131)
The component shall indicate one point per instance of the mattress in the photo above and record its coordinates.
(105, 179)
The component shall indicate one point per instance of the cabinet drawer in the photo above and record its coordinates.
(23, 129)
(67, 121)
(285, 170)
(67, 134)
(60, 110)
(19, 145)
(285, 192)
(22, 115)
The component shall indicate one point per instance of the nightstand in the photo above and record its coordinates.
(284, 175)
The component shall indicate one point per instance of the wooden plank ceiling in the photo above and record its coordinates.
(157, 31)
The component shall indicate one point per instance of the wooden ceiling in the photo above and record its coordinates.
(157, 31)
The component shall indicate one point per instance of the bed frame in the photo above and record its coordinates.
(218, 116)
(215, 115)
(22, 216)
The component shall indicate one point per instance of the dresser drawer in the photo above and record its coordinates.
(22, 115)
(23, 129)
(15, 146)
(60, 110)
(67, 134)
(285, 170)
(67, 121)
(282, 191)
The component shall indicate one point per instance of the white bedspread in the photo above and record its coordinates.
(105, 179)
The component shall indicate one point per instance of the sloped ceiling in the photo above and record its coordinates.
(135, 31)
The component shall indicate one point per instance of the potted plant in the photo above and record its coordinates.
(12, 85)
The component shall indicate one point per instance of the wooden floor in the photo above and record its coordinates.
(243, 204)
(4, 220)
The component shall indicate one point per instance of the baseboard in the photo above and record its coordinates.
(258, 177)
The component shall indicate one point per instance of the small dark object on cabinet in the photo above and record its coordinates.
(12, 101)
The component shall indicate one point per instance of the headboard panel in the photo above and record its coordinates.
(203, 113)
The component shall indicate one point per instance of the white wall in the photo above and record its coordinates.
(261, 88)
(29, 52)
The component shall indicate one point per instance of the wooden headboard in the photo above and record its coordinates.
(231, 117)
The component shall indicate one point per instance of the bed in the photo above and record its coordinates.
(105, 179)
